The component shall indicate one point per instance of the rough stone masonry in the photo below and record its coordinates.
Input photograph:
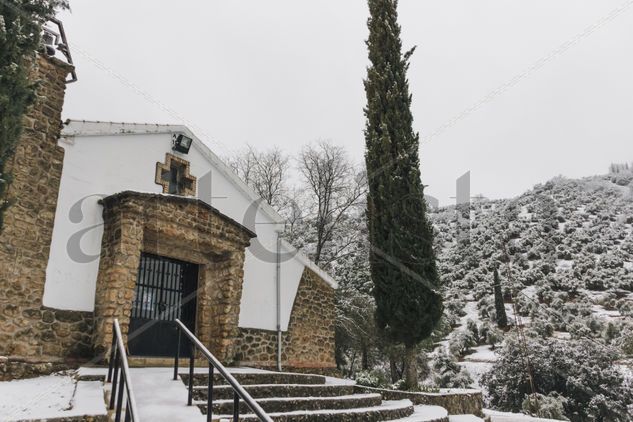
(28, 330)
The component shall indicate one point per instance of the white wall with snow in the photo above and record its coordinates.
(98, 165)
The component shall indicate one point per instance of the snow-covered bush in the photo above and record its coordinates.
(541, 326)
(625, 340)
(447, 373)
(625, 307)
(493, 335)
(461, 343)
(376, 378)
(582, 372)
(550, 407)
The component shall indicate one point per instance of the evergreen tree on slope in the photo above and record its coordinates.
(502, 319)
(402, 260)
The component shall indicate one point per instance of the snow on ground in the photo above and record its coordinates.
(339, 381)
(510, 314)
(102, 371)
(161, 399)
(564, 264)
(464, 418)
(606, 313)
(530, 291)
(476, 370)
(471, 313)
(52, 396)
(496, 416)
(481, 354)
(562, 335)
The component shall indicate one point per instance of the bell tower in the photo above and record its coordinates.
(29, 332)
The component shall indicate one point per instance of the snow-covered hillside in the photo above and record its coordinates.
(564, 253)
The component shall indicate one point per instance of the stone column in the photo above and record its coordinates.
(118, 268)
(226, 281)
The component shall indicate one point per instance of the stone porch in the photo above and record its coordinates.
(182, 228)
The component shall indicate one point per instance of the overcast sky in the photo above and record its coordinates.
(515, 91)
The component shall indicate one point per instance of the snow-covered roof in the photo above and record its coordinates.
(99, 128)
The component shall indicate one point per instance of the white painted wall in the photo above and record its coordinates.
(99, 165)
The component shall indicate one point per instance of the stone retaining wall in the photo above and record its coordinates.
(308, 345)
(459, 402)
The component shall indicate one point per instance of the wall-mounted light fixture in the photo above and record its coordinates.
(181, 143)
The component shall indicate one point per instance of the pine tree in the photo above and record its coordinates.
(502, 319)
(402, 259)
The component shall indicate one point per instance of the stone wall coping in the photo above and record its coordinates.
(120, 196)
(56, 61)
(444, 392)
(308, 263)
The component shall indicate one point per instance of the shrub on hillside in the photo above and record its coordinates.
(376, 378)
(461, 342)
(550, 407)
(447, 373)
(582, 372)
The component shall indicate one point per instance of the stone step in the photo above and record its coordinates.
(387, 411)
(225, 392)
(293, 404)
(426, 413)
(251, 378)
(465, 418)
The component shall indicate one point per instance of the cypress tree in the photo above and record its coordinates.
(502, 319)
(402, 260)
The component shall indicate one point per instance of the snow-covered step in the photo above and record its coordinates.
(260, 377)
(290, 404)
(225, 392)
(387, 411)
(464, 418)
(426, 413)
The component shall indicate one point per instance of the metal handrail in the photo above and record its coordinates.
(119, 375)
(238, 391)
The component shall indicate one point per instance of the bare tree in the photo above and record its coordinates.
(335, 186)
(264, 171)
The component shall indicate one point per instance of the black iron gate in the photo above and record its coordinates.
(165, 291)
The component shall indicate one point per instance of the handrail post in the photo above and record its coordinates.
(113, 386)
(177, 355)
(119, 405)
(128, 410)
(112, 355)
(190, 397)
(236, 406)
(210, 394)
(121, 392)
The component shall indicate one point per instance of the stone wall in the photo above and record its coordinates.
(308, 345)
(455, 401)
(28, 330)
(177, 227)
